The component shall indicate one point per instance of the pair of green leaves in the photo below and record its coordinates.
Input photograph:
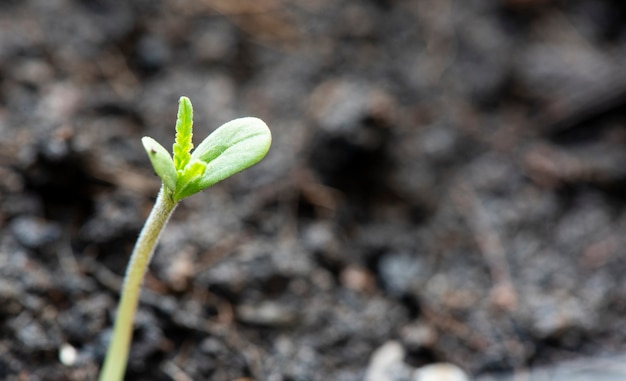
(231, 148)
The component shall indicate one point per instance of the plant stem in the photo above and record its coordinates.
(117, 354)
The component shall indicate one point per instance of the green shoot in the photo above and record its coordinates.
(231, 148)
(184, 126)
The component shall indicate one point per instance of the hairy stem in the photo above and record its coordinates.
(117, 355)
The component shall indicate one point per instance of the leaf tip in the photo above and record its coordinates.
(161, 161)
(184, 103)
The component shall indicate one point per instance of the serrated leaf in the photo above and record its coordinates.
(188, 179)
(231, 148)
(183, 143)
(161, 161)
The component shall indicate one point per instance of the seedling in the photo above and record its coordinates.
(231, 148)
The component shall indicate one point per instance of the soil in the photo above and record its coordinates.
(446, 174)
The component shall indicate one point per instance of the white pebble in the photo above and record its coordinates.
(68, 355)
(386, 363)
(440, 372)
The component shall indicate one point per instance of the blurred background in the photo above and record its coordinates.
(447, 179)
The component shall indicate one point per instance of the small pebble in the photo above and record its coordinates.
(266, 314)
(440, 372)
(34, 232)
(398, 272)
(387, 364)
(68, 355)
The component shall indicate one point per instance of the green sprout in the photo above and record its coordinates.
(231, 148)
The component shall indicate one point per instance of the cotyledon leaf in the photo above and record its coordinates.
(161, 161)
(230, 134)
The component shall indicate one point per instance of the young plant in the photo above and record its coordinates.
(231, 148)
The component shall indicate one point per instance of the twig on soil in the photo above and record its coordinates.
(66, 256)
(503, 294)
(265, 21)
(447, 323)
(175, 372)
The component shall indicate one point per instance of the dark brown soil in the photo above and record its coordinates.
(449, 174)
